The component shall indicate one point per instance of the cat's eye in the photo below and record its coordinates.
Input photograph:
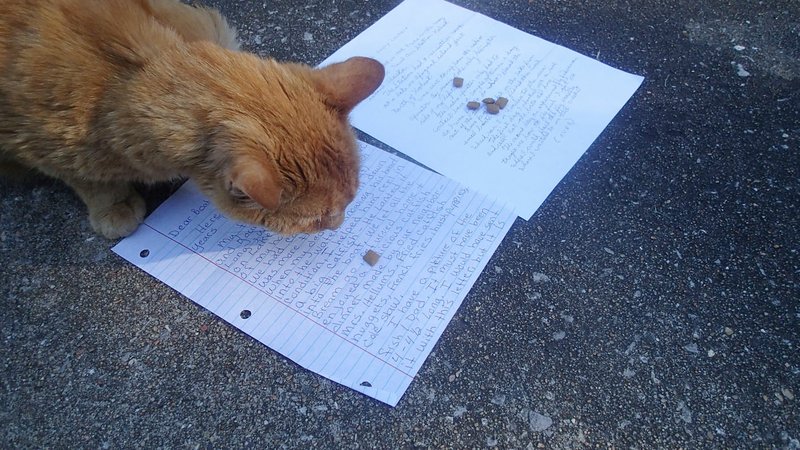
(237, 194)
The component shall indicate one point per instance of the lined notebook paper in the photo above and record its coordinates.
(559, 100)
(312, 297)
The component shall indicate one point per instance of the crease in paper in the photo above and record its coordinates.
(312, 297)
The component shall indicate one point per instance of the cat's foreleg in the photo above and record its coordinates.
(115, 209)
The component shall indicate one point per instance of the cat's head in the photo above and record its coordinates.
(283, 150)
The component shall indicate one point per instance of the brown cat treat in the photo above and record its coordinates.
(458, 82)
(473, 105)
(371, 257)
(492, 108)
(488, 100)
(501, 102)
(105, 93)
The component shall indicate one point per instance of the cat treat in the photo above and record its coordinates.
(492, 106)
(458, 82)
(371, 257)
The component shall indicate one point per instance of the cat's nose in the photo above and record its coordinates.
(333, 222)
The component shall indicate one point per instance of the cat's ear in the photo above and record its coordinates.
(348, 83)
(257, 180)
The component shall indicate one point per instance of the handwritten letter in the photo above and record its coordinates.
(559, 100)
(312, 297)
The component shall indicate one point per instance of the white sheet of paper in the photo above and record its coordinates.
(312, 297)
(559, 100)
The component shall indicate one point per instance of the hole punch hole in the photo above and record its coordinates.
(144, 253)
(245, 314)
(366, 384)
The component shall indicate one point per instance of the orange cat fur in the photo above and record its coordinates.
(105, 93)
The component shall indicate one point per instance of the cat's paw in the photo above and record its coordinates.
(119, 219)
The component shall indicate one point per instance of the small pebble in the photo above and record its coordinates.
(473, 105)
(728, 331)
(788, 393)
(371, 257)
(499, 400)
(741, 71)
(501, 102)
(491, 108)
(488, 100)
(458, 82)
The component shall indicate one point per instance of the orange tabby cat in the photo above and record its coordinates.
(104, 93)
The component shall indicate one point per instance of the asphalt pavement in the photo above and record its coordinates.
(651, 302)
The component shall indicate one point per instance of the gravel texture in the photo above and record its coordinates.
(652, 302)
